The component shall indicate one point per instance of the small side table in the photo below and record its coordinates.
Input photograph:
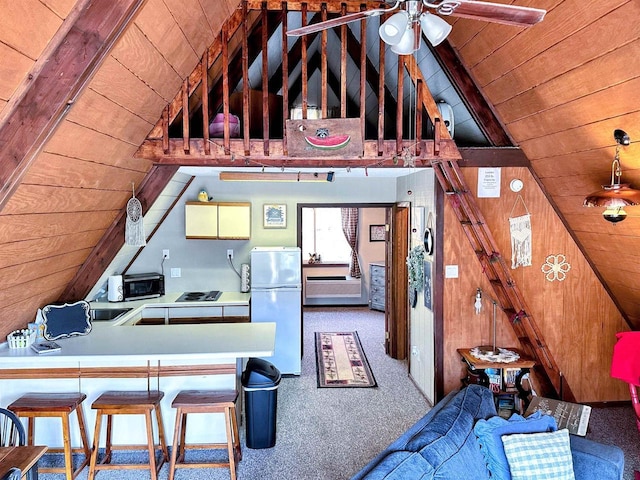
(478, 366)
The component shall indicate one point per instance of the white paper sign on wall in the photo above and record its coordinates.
(489, 182)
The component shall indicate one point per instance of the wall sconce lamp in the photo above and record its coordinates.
(616, 196)
(400, 30)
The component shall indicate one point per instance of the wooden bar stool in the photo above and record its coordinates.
(128, 403)
(33, 405)
(205, 401)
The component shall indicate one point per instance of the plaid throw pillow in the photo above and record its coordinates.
(539, 456)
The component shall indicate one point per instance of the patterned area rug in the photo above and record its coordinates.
(341, 361)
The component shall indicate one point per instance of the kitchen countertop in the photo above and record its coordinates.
(168, 300)
(118, 340)
(203, 342)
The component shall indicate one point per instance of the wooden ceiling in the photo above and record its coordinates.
(80, 90)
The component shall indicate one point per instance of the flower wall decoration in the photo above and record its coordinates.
(556, 267)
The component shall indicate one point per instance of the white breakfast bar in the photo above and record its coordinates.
(118, 355)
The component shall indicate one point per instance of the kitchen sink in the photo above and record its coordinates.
(107, 314)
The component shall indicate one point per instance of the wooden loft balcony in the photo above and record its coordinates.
(328, 74)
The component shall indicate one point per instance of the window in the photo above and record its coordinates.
(322, 235)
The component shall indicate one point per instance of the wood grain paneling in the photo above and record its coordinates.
(24, 273)
(112, 151)
(598, 106)
(563, 310)
(569, 18)
(577, 83)
(136, 52)
(15, 253)
(123, 87)
(161, 28)
(567, 54)
(98, 112)
(60, 171)
(46, 199)
(18, 20)
(16, 228)
(60, 7)
(193, 22)
(13, 68)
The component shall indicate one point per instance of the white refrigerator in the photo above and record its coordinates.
(276, 289)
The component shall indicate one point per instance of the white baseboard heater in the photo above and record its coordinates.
(332, 286)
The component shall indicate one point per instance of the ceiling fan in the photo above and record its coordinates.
(398, 30)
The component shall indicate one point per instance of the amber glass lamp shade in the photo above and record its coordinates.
(614, 198)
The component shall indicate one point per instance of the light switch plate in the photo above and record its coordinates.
(176, 272)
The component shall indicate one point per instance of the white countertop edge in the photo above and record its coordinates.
(209, 342)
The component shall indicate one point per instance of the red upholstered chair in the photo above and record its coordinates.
(633, 389)
(626, 367)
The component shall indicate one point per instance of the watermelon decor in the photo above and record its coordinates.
(329, 142)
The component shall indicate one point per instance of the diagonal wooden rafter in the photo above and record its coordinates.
(69, 62)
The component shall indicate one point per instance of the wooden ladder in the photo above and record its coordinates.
(508, 295)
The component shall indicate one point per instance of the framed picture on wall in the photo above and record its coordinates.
(428, 300)
(377, 233)
(275, 215)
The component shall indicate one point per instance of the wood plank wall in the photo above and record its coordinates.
(21, 44)
(576, 317)
(82, 179)
(561, 88)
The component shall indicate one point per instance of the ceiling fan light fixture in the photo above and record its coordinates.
(434, 28)
(406, 45)
(392, 31)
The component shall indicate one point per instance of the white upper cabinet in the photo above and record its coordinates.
(208, 220)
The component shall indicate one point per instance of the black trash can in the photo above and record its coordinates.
(260, 382)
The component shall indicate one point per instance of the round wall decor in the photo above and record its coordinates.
(429, 239)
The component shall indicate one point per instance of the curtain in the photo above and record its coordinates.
(350, 230)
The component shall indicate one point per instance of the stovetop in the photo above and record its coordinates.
(211, 296)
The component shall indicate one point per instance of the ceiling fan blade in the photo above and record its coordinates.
(490, 12)
(335, 22)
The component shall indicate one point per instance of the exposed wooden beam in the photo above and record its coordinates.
(152, 150)
(493, 157)
(88, 34)
(113, 239)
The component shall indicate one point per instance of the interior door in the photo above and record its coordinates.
(396, 313)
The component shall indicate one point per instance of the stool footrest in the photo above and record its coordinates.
(202, 465)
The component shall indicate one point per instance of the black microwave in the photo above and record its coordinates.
(139, 286)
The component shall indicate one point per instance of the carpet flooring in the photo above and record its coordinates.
(330, 434)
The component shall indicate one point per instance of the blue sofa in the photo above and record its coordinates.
(442, 445)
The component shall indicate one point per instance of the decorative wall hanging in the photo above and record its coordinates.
(134, 226)
(415, 262)
(377, 233)
(428, 298)
(326, 137)
(274, 216)
(429, 239)
(520, 228)
(556, 267)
